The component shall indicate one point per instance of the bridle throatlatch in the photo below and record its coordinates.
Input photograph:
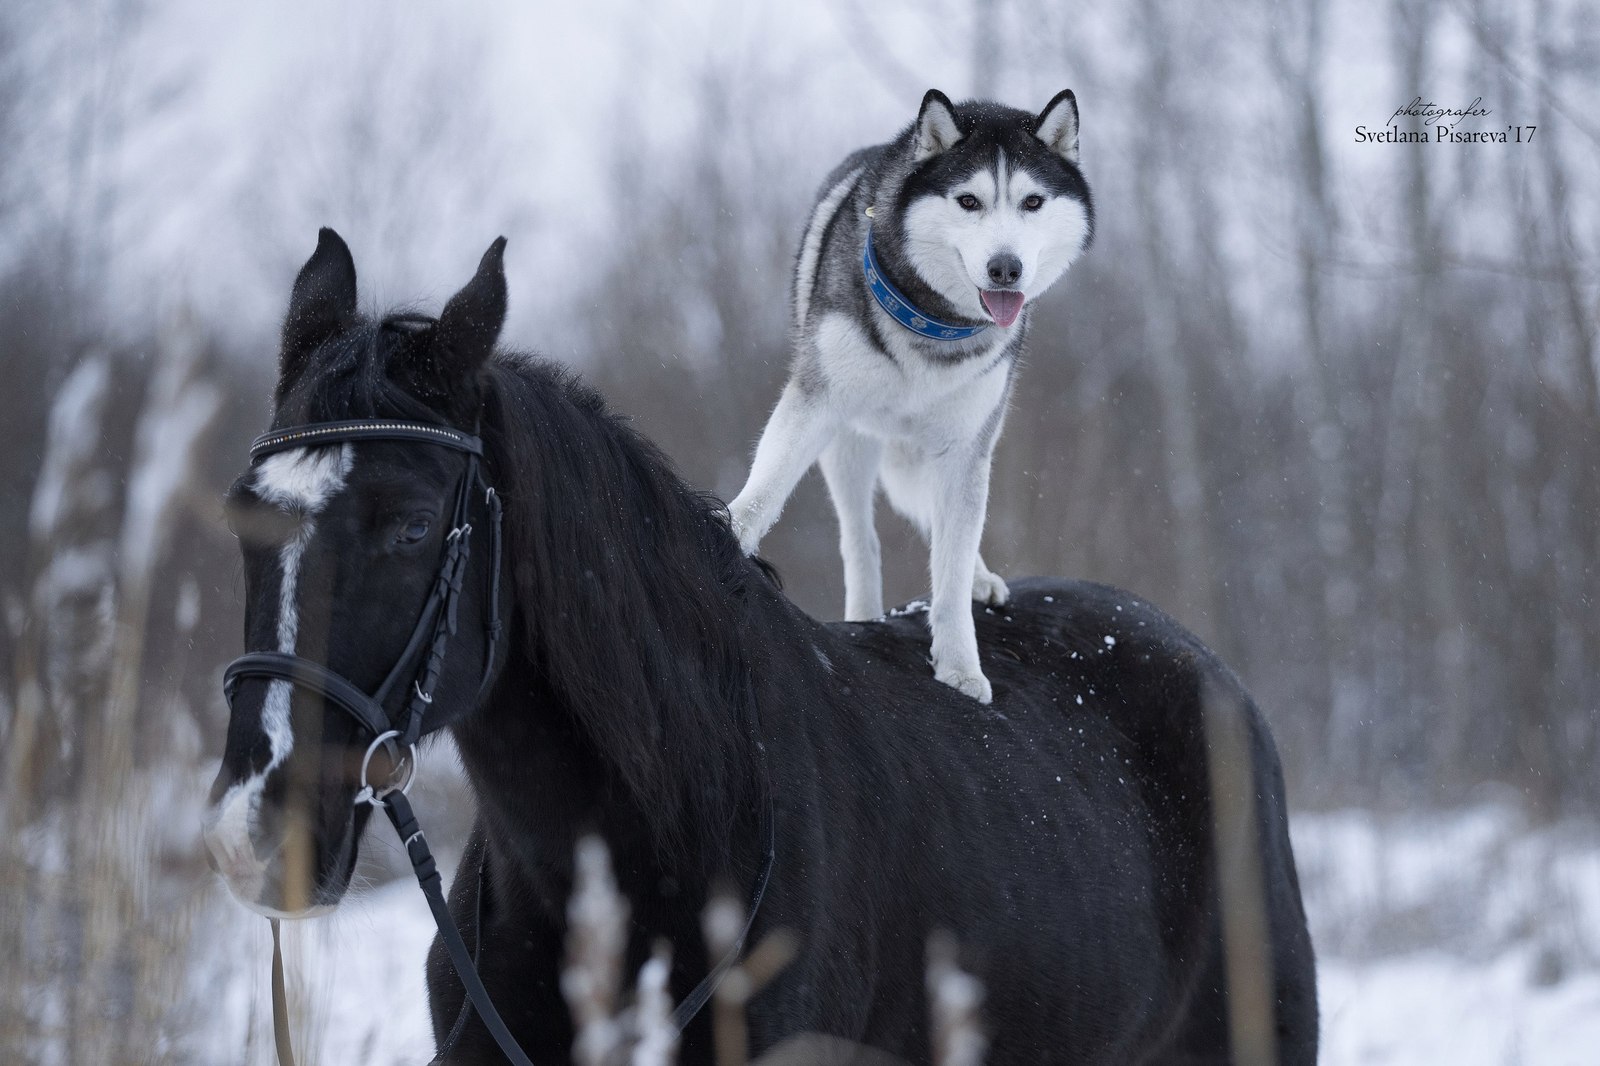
(421, 664)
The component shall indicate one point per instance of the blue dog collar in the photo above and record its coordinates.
(899, 308)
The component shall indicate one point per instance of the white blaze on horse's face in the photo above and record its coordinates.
(304, 479)
(301, 481)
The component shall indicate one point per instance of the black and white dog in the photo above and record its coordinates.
(910, 307)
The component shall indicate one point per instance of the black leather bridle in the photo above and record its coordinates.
(437, 622)
(421, 663)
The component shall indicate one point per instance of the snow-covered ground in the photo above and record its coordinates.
(355, 982)
(1465, 938)
(1433, 1006)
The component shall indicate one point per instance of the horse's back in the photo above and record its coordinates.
(1088, 781)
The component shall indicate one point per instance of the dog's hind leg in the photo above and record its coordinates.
(988, 587)
(850, 465)
(909, 484)
(800, 427)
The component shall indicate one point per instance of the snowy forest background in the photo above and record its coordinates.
(1335, 406)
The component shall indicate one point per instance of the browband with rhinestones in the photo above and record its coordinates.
(367, 429)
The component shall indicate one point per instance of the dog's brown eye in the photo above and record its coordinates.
(968, 201)
(1033, 203)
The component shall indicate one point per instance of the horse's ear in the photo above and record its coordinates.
(470, 323)
(936, 130)
(1058, 125)
(323, 300)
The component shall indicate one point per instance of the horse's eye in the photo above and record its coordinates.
(969, 202)
(1033, 203)
(414, 530)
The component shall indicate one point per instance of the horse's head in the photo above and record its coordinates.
(343, 544)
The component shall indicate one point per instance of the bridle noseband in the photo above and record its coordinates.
(422, 662)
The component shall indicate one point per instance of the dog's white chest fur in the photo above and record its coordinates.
(905, 397)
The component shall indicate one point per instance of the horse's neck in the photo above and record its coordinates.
(542, 781)
(532, 776)
(637, 624)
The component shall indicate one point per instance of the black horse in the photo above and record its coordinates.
(655, 686)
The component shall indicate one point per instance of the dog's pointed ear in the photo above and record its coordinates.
(1058, 126)
(936, 130)
(322, 302)
(470, 323)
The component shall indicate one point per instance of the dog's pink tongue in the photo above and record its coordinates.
(1004, 305)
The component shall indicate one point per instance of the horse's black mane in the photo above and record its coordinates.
(606, 538)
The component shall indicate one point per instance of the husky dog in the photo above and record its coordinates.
(910, 306)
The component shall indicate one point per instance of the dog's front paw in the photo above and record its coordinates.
(967, 682)
(989, 589)
(741, 523)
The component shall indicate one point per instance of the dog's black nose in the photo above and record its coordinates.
(1005, 269)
